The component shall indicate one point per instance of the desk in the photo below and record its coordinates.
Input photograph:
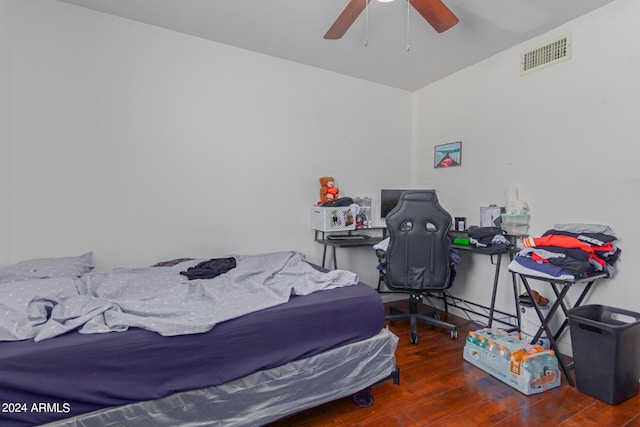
(321, 237)
(559, 303)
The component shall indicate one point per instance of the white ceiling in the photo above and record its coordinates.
(293, 30)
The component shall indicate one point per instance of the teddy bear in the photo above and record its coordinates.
(328, 190)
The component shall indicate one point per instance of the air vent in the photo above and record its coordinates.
(555, 51)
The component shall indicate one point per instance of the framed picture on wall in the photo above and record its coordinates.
(447, 155)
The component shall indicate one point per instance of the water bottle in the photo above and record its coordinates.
(536, 371)
(482, 341)
(501, 333)
(472, 337)
(504, 352)
(492, 347)
(524, 365)
(535, 367)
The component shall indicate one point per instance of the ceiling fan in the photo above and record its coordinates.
(433, 11)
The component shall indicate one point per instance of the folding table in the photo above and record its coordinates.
(558, 303)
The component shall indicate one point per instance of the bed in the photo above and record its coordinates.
(270, 337)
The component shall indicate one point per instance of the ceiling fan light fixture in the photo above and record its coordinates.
(435, 12)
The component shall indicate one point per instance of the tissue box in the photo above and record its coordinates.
(339, 218)
(528, 368)
(488, 214)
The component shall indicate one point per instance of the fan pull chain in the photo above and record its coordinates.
(366, 23)
(408, 14)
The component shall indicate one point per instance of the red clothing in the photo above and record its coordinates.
(567, 242)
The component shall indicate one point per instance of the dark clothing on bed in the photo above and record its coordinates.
(210, 269)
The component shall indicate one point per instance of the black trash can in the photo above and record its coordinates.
(606, 351)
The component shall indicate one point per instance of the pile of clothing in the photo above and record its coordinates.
(568, 252)
(488, 237)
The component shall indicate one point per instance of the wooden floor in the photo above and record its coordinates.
(438, 388)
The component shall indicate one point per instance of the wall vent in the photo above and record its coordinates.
(555, 51)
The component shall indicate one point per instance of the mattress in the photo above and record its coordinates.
(74, 373)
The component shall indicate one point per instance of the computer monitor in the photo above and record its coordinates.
(388, 200)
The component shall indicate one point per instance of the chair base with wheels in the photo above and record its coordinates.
(429, 317)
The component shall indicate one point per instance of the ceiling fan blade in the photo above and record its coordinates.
(346, 18)
(435, 13)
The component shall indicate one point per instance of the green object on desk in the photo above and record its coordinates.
(461, 242)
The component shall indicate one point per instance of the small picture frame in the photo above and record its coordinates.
(447, 155)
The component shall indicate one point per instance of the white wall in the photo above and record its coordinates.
(5, 134)
(565, 135)
(144, 144)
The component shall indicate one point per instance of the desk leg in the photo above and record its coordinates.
(324, 255)
(516, 295)
(335, 261)
(496, 276)
(544, 325)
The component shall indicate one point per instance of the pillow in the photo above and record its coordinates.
(25, 306)
(47, 268)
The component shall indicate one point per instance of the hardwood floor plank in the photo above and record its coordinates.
(547, 411)
(453, 401)
(601, 413)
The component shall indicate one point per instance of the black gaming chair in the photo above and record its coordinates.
(418, 260)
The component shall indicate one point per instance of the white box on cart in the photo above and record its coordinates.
(333, 218)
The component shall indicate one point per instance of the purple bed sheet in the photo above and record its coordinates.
(73, 374)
